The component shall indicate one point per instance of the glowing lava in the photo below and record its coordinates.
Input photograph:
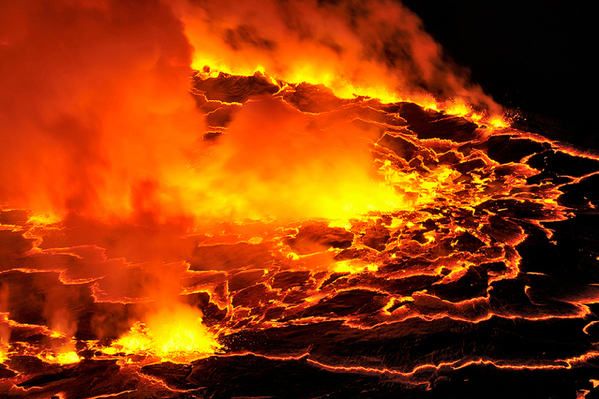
(175, 333)
(265, 221)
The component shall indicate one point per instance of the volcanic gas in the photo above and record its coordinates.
(278, 199)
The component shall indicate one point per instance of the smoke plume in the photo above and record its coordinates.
(97, 118)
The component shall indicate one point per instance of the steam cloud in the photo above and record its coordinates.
(97, 118)
(94, 103)
(368, 44)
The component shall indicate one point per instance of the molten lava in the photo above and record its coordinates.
(172, 334)
(295, 211)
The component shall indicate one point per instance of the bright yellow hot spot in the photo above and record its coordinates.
(63, 358)
(459, 108)
(44, 218)
(3, 352)
(174, 333)
(137, 340)
(416, 190)
(499, 122)
(354, 266)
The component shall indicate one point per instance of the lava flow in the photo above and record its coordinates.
(301, 218)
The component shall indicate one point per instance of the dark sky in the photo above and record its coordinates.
(537, 56)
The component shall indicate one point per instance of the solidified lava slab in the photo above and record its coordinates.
(486, 283)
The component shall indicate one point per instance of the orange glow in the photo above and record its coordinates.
(499, 122)
(3, 351)
(560, 364)
(459, 108)
(245, 41)
(183, 181)
(44, 219)
(123, 140)
(350, 266)
(324, 181)
(174, 334)
(62, 358)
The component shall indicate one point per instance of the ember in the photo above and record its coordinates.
(300, 216)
